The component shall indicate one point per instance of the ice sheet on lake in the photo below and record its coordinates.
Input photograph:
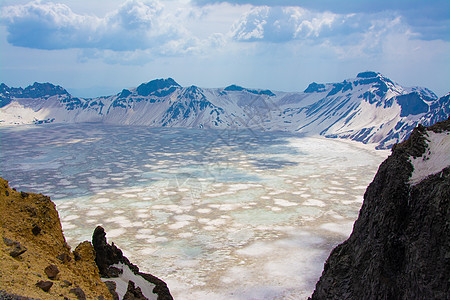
(216, 214)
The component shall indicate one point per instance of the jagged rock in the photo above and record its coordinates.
(113, 272)
(133, 293)
(76, 255)
(85, 251)
(400, 244)
(51, 271)
(79, 293)
(36, 230)
(111, 285)
(8, 296)
(8, 242)
(17, 249)
(66, 283)
(44, 285)
(64, 257)
(108, 255)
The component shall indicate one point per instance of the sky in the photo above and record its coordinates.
(95, 48)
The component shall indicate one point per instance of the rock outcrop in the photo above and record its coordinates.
(400, 244)
(111, 263)
(37, 263)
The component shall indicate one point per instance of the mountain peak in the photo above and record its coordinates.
(164, 86)
(38, 90)
(367, 74)
(237, 88)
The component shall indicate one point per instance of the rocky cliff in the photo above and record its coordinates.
(37, 263)
(400, 244)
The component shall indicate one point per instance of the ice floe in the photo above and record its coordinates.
(215, 220)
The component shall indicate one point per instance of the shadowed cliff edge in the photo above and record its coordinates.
(400, 244)
(37, 263)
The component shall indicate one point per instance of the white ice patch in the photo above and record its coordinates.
(116, 232)
(139, 281)
(282, 202)
(314, 202)
(435, 158)
(344, 228)
(101, 200)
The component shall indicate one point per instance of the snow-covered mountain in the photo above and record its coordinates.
(369, 108)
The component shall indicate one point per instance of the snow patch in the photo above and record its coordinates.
(139, 281)
(435, 159)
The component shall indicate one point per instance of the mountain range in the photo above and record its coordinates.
(370, 108)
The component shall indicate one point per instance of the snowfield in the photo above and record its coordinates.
(434, 160)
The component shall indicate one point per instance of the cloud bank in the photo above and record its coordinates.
(283, 24)
(136, 25)
(139, 31)
(429, 18)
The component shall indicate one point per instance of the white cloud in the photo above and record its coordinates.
(347, 35)
(430, 19)
(135, 25)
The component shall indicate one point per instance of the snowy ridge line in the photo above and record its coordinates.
(369, 108)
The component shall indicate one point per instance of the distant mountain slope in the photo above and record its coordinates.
(369, 108)
(400, 244)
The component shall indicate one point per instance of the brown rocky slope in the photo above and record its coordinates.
(400, 244)
(35, 259)
(37, 263)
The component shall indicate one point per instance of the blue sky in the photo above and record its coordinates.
(98, 47)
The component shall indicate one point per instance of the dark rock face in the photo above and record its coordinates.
(111, 285)
(108, 255)
(64, 257)
(367, 74)
(17, 249)
(36, 229)
(315, 88)
(51, 271)
(79, 293)
(133, 293)
(44, 285)
(412, 104)
(37, 90)
(158, 87)
(8, 296)
(400, 244)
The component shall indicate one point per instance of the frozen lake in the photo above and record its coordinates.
(217, 214)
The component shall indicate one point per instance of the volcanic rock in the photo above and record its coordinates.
(51, 271)
(44, 285)
(133, 293)
(400, 244)
(109, 255)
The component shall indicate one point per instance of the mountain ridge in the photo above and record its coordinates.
(369, 108)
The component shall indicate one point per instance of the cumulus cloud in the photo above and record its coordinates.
(136, 25)
(429, 19)
(283, 24)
